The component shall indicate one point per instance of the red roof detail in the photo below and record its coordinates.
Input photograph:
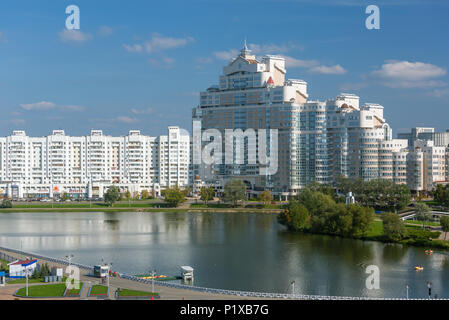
(24, 262)
(270, 81)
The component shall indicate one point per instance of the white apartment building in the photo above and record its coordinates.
(428, 165)
(36, 167)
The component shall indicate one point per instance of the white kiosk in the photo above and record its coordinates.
(187, 273)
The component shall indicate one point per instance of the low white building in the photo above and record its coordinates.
(18, 267)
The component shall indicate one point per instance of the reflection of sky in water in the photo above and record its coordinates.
(232, 251)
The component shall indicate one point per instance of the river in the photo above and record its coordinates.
(239, 251)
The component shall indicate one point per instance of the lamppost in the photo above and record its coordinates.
(407, 286)
(293, 286)
(27, 270)
(429, 286)
(69, 258)
(153, 273)
(109, 271)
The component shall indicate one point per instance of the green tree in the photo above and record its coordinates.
(295, 217)
(111, 196)
(127, 195)
(362, 217)
(145, 194)
(64, 196)
(207, 194)
(234, 190)
(136, 195)
(265, 197)
(393, 226)
(174, 196)
(6, 204)
(422, 212)
(444, 221)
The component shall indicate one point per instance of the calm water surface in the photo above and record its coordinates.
(240, 251)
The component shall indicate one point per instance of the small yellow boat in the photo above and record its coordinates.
(419, 268)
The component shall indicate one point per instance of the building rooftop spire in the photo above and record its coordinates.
(245, 51)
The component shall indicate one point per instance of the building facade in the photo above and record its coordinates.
(317, 140)
(84, 167)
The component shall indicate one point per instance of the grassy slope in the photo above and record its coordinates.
(135, 293)
(50, 290)
(98, 289)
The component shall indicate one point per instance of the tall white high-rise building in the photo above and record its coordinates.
(318, 140)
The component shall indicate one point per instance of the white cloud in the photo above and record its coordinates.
(74, 36)
(125, 119)
(226, 55)
(105, 31)
(405, 74)
(409, 71)
(43, 105)
(46, 105)
(158, 43)
(143, 111)
(337, 69)
(291, 62)
(133, 48)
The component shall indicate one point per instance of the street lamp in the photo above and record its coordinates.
(69, 258)
(407, 286)
(429, 286)
(27, 271)
(110, 270)
(153, 273)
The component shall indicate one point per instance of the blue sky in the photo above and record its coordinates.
(140, 64)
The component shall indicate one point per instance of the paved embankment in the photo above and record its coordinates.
(116, 282)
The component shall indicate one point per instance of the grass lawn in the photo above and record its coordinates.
(427, 223)
(30, 280)
(49, 290)
(375, 229)
(135, 293)
(74, 292)
(210, 205)
(98, 290)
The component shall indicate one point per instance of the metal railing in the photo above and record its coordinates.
(208, 290)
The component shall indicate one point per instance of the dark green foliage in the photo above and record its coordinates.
(234, 190)
(6, 204)
(441, 195)
(380, 194)
(111, 196)
(175, 195)
(207, 194)
(394, 228)
(318, 213)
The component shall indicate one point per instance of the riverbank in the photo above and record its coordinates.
(140, 209)
(418, 237)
